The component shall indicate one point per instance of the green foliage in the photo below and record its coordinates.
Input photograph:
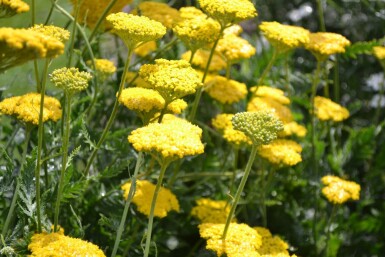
(360, 48)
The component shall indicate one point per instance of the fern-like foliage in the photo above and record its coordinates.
(358, 48)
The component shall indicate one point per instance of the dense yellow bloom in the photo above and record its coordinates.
(145, 49)
(226, 91)
(211, 211)
(70, 80)
(323, 44)
(21, 45)
(223, 124)
(271, 93)
(172, 79)
(170, 140)
(201, 58)
(91, 10)
(190, 12)
(141, 99)
(103, 67)
(134, 29)
(293, 128)
(265, 103)
(144, 193)
(325, 109)
(284, 37)
(241, 240)
(233, 29)
(177, 106)
(281, 152)
(26, 108)
(379, 52)
(272, 246)
(197, 31)
(52, 31)
(228, 12)
(261, 127)
(59, 245)
(160, 12)
(9, 8)
(222, 121)
(338, 190)
(234, 48)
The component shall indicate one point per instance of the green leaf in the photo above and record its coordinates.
(360, 48)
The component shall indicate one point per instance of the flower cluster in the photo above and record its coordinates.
(326, 109)
(52, 31)
(144, 192)
(281, 152)
(160, 12)
(201, 57)
(10, 8)
(234, 48)
(241, 239)
(293, 128)
(270, 92)
(323, 44)
(379, 52)
(338, 190)
(26, 108)
(70, 80)
(272, 246)
(144, 49)
(225, 91)
(103, 67)
(222, 123)
(59, 245)
(211, 211)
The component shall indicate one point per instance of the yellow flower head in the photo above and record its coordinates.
(146, 48)
(270, 92)
(281, 152)
(144, 192)
(379, 52)
(201, 57)
(10, 8)
(261, 127)
(59, 245)
(172, 79)
(177, 106)
(326, 109)
(241, 240)
(323, 44)
(225, 90)
(293, 128)
(103, 67)
(265, 103)
(91, 10)
(223, 124)
(284, 37)
(234, 48)
(138, 82)
(190, 12)
(21, 45)
(338, 190)
(211, 211)
(26, 108)
(52, 31)
(70, 80)
(228, 12)
(134, 29)
(160, 12)
(272, 246)
(233, 29)
(141, 99)
(222, 121)
(169, 141)
(198, 31)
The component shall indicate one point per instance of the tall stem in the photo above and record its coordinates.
(263, 197)
(112, 116)
(153, 203)
(240, 190)
(328, 227)
(268, 67)
(321, 15)
(131, 193)
(64, 159)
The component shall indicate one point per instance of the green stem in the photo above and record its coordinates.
(101, 19)
(240, 190)
(192, 56)
(33, 12)
(73, 34)
(11, 211)
(49, 14)
(268, 67)
(131, 193)
(321, 15)
(65, 141)
(228, 70)
(235, 166)
(336, 81)
(328, 227)
(287, 75)
(153, 203)
(15, 130)
(112, 116)
(263, 198)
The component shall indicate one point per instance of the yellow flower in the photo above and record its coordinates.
(233, 29)
(323, 44)
(228, 12)
(293, 128)
(282, 152)
(177, 106)
(338, 190)
(233, 48)
(145, 49)
(224, 90)
(190, 12)
(70, 80)
(271, 93)
(272, 246)
(261, 127)
(161, 12)
(201, 57)
(141, 99)
(59, 245)
(103, 67)
(265, 103)
(91, 10)
(222, 121)
(139, 82)
(144, 192)
(52, 31)
(172, 79)
(168, 141)
(21, 45)
(211, 211)
(241, 240)
(379, 52)
(326, 109)
(198, 31)
(26, 108)
(223, 124)
(10, 8)
(134, 29)
(284, 37)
